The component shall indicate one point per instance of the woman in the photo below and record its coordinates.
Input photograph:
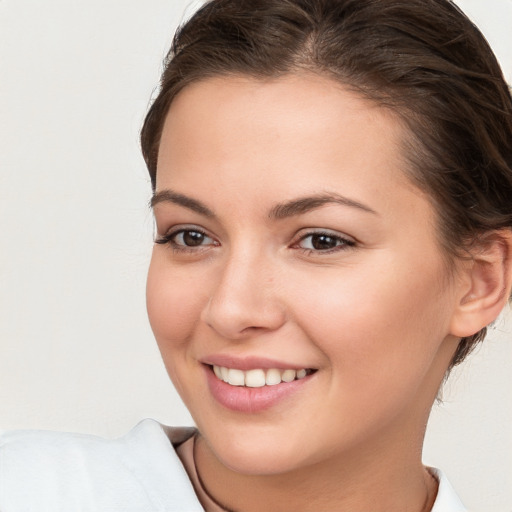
(332, 184)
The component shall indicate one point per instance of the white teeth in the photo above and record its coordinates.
(288, 375)
(236, 377)
(273, 377)
(257, 378)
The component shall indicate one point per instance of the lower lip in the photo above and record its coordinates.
(251, 400)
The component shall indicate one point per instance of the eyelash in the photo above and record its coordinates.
(169, 239)
(344, 243)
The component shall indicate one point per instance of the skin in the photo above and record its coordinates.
(373, 316)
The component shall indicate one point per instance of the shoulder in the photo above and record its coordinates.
(50, 471)
(446, 500)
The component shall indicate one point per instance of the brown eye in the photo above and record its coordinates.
(187, 240)
(191, 238)
(323, 242)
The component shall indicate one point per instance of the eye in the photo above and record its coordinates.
(189, 238)
(324, 242)
(186, 239)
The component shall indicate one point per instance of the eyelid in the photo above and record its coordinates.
(171, 233)
(348, 242)
(303, 233)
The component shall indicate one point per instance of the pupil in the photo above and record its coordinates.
(193, 238)
(323, 242)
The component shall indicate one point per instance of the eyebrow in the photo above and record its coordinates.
(279, 211)
(169, 196)
(306, 204)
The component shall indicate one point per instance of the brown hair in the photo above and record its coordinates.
(424, 59)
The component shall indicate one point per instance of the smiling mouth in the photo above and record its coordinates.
(258, 378)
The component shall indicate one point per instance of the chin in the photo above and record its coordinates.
(255, 450)
(258, 463)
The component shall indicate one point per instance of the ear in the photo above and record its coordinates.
(485, 283)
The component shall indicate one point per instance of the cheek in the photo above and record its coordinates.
(380, 344)
(174, 302)
(373, 325)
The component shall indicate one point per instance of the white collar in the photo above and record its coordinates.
(446, 500)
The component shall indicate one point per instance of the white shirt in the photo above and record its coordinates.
(140, 472)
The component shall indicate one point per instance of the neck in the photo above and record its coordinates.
(361, 482)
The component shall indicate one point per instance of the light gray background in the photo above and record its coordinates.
(75, 238)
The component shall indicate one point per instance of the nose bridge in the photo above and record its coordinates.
(244, 298)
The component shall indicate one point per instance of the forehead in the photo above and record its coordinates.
(299, 133)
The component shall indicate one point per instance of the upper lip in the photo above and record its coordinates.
(249, 362)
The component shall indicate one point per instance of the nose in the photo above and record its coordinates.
(244, 299)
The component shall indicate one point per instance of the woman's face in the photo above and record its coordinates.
(292, 244)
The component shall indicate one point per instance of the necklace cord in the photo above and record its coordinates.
(200, 480)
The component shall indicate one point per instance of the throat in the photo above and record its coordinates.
(220, 489)
(187, 454)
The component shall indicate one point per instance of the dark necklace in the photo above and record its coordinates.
(199, 479)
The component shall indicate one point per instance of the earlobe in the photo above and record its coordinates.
(485, 284)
